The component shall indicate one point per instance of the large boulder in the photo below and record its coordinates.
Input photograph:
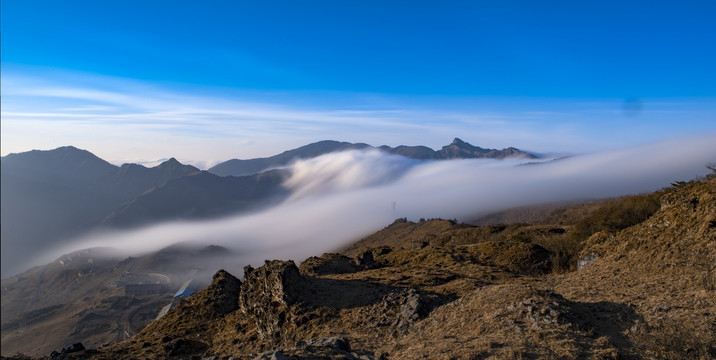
(269, 295)
(329, 263)
(224, 290)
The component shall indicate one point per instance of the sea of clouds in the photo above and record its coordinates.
(339, 198)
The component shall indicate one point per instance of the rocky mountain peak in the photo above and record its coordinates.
(461, 149)
(458, 142)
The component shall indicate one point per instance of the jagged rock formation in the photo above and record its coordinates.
(224, 290)
(334, 264)
(459, 149)
(268, 295)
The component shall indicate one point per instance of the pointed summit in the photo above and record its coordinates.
(172, 162)
(173, 168)
(459, 149)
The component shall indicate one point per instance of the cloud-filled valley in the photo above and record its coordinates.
(339, 197)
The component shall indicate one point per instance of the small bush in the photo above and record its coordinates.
(520, 237)
(565, 251)
(712, 174)
(617, 214)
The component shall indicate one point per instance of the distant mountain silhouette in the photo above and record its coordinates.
(236, 167)
(64, 164)
(200, 195)
(458, 149)
(414, 152)
(131, 180)
(57, 194)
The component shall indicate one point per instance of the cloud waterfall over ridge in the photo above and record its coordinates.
(338, 198)
(345, 171)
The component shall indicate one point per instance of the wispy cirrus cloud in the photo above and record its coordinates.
(126, 120)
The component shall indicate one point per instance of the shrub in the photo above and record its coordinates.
(565, 251)
(617, 214)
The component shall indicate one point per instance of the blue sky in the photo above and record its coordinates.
(142, 80)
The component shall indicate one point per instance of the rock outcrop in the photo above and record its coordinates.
(224, 289)
(62, 354)
(329, 263)
(322, 348)
(269, 295)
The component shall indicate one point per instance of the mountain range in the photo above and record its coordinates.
(458, 149)
(49, 197)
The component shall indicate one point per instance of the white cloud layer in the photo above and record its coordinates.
(342, 197)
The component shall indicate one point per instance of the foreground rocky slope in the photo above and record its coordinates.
(442, 290)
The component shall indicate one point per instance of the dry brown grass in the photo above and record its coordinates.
(617, 214)
(565, 252)
(670, 339)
